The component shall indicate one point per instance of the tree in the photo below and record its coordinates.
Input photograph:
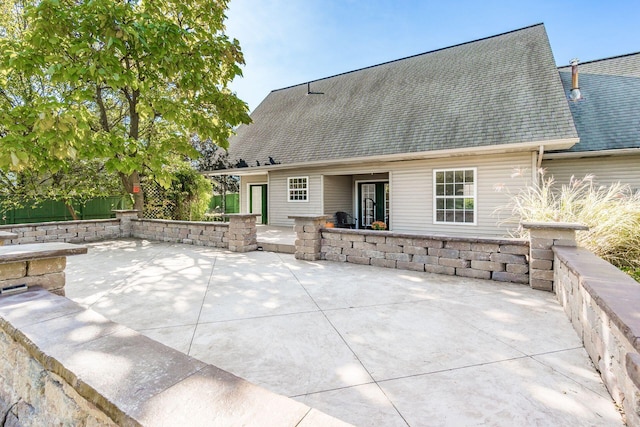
(77, 183)
(69, 181)
(125, 82)
(211, 158)
(187, 198)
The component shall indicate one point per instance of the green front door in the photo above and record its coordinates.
(373, 203)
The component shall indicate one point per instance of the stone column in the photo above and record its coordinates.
(542, 237)
(125, 216)
(242, 232)
(309, 237)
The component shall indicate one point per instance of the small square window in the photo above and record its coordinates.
(298, 189)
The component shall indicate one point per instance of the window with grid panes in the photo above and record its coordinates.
(455, 196)
(298, 188)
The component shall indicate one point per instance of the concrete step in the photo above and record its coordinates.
(282, 248)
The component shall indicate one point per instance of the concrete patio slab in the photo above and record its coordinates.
(370, 346)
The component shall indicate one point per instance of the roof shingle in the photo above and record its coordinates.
(608, 115)
(503, 89)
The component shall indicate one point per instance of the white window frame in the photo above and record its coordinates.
(290, 191)
(445, 197)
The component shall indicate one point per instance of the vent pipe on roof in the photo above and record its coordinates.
(310, 92)
(575, 88)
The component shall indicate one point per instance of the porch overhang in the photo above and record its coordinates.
(559, 144)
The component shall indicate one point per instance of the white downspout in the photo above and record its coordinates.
(540, 154)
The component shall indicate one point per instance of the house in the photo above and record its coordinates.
(420, 143)
(607, 118)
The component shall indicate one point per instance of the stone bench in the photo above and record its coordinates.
(35, 264)
(7, 235)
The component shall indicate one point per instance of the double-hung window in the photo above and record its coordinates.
(455, 196)
(298, 188)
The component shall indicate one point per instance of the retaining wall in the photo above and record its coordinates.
(503, 260)
(238, 235)
(64, 231)
(191, 233)
(603, 304)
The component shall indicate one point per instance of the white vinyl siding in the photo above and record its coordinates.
(497, 177)
(607, 170)
(279, 206)
(338, 194)
(411, 191)
(244, 188)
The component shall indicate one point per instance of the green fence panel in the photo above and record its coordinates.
(233, 203)
(101, 208)
(47, 210)
(51, 210)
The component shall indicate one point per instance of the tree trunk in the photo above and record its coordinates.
(224, 195)
(72, 211)
(131, 182)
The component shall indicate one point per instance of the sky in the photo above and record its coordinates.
(288, 42)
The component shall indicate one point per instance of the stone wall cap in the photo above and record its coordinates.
(6, 235)
(533, 225)
(310, 216)
(125, 210)
(172, 221)
(613, 290)
(58, 223)
(241, 215)
(30, 251)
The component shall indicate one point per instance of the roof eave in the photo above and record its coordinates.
(595, 153)
(557, 144)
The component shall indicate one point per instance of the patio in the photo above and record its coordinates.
(368, 345)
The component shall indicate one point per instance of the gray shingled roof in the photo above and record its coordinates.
(608, 116)
(500, 90)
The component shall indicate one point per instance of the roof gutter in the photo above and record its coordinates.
(600, 153)
(558, 144)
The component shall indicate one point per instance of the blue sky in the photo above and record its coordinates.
(287, 42)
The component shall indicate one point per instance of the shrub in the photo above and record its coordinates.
(611, 212)
(186, 198)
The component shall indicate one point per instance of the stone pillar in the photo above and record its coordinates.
(309, 237)
(542, 237)
(243, 236)
(7, 235)
(125, 216)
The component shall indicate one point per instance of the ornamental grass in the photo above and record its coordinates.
(611, 212)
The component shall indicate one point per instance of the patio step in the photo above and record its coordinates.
(282, 248)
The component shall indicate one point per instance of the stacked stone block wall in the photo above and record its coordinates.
(308, 230)
(191, 233)
(242, 232)
(239, 234)
(543, 236)
(47, 273)
(64, 231)
(602, 303)
(6, 235)
(503, 260)
(35, 264)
